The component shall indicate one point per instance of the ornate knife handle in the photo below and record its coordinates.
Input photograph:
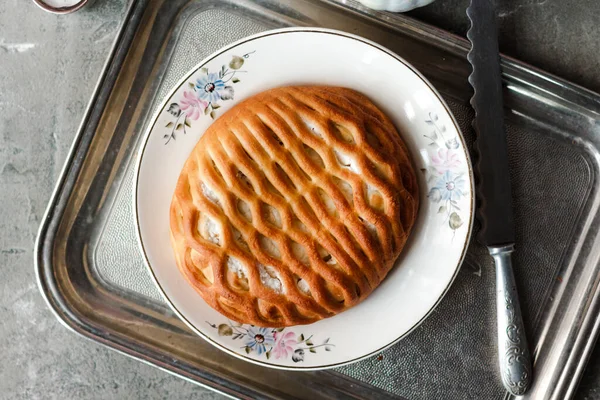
(514, 356)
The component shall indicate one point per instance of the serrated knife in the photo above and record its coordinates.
(494, 192)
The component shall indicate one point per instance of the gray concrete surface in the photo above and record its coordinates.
(48, 68)
(559, 36)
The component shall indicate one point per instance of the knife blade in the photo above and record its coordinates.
(495, 212)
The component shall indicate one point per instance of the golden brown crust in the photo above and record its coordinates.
(293, 206)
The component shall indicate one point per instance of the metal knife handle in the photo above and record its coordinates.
(513, 351)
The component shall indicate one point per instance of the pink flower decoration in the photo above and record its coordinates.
(192, 105)
(445, 160)
(285, 343)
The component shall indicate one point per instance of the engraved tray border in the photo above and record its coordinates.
(566, 330)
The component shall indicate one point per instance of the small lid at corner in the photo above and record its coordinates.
(61, 6)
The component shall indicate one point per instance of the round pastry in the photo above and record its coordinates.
(293, 206)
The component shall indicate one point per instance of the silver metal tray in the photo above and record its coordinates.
(92, 275)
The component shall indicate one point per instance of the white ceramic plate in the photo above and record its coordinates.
(434, 253)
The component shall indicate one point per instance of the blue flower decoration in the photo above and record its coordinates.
(448, 187)
(259, 339)
(212, 88)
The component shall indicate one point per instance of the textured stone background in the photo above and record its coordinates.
(48, 68)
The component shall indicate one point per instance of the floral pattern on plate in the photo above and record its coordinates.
(447, 179)
(340, 59)
(279, 343)
(203, 96)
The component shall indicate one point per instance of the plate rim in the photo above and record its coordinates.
(141, 147)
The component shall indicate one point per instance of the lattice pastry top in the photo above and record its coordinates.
(293, 206)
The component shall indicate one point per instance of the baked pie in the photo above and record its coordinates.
(293, 206)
